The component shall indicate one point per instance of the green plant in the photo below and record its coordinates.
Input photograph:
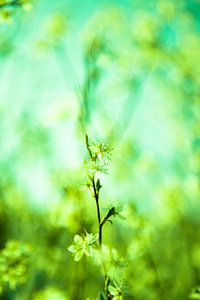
(14, 264)
(99, 154)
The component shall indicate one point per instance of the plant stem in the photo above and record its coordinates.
(96, 196)
(88, 147)
(96, 188)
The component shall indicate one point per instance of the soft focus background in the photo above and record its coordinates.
(127, 73)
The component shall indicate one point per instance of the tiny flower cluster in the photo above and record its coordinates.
(83, 245)
(100, 154)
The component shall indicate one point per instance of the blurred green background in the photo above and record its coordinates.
(126, 73)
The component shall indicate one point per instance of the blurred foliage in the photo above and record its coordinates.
(13, 262)
(126, 73)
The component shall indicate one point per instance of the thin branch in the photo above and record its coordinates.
(96, 192)
(88, 146)
(96, 196)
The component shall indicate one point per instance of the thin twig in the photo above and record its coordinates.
(96, 196)
(96, 188)
(96, 193)
(88, 146)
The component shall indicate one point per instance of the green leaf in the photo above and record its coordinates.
(102, 297)
(98, 185)
(111, 212)
(112, 290)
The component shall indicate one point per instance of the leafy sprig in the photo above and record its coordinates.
(99, 155)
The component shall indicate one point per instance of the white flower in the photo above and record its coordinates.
(83, 245)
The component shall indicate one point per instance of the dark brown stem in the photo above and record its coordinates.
(96, 193)
(100, 234)
(96, 196)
